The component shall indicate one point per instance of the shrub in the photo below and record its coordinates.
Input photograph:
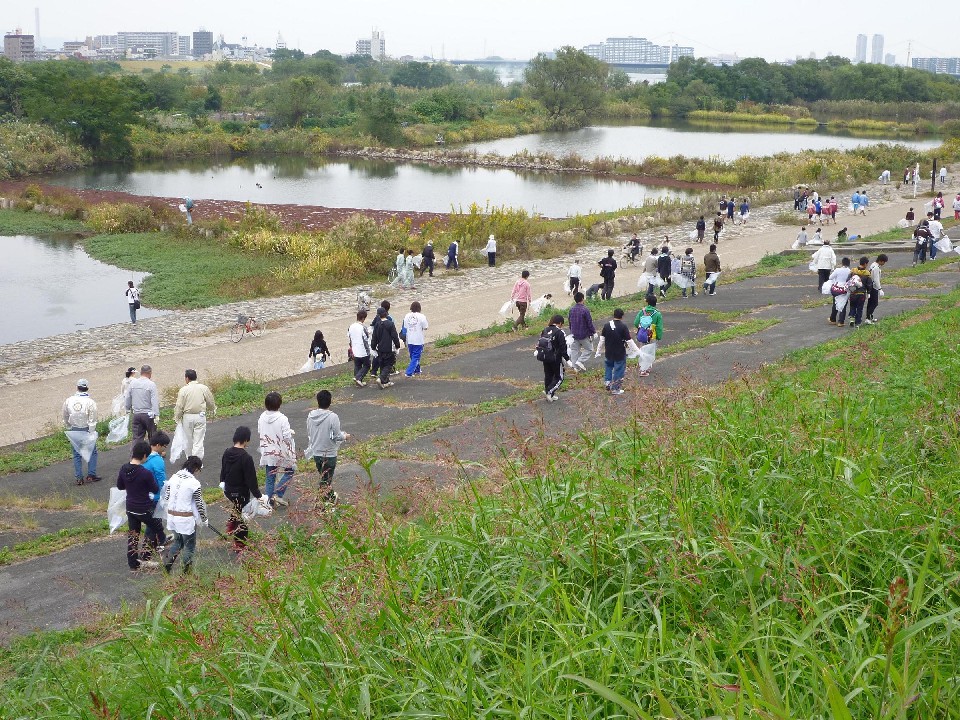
(119, 218)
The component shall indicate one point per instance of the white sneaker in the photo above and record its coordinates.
(616, 392)
(149, 564)
(360, 383)
(581, 366)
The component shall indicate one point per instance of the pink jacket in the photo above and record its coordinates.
(522, 292)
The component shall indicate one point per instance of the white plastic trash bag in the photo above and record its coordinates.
(681, 281)
(840, 301)
(903, 223)
(633, 350)
(812, 266)
(117, 509)
(648, 353)
(118, 406)
(944, 245)
(255, 508)
(825, 288)
(182, 208)
(507, 308)
(711, 278)
(178, 446)
(647, 279)
(307, 366)
(160, 511)
(119, 428)
(538, 305)
(83, 441)
(693, 235)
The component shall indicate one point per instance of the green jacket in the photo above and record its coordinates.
(657, 320)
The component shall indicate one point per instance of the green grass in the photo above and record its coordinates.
(52, 542)
(19, 222)
(791, 557)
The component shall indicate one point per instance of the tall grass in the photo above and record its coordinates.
(793, 556)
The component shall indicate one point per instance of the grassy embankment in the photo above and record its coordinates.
(793, 557)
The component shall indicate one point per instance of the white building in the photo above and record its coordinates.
(375, 46)
(861, 56)
(636, 51)
(157, 44)
(876, 50)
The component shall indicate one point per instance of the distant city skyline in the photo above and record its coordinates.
(496, 27)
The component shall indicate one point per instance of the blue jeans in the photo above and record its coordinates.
(78, 463)
(414, 367)
(187, 543)
(933, 249)
(613, 372)
(133, 313)
(271, 486)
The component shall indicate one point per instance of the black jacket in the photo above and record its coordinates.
(664, 266)
(608, 268)
(385, 337)
(138, 482)
(238, 475)
(320, 351)
(428, 252)
(559, 342)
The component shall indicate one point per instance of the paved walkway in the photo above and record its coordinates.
(35, 376)
(73, 586)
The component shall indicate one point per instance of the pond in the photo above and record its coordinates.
(377, 185)
(676, 138)
(57, 288)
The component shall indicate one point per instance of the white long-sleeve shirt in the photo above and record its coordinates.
(182, 494)
(875, 272)
(574, 271)
(491, 246)
(357, 334)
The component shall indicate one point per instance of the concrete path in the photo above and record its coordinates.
(73, 586)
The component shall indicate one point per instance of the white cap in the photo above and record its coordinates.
(491, 237)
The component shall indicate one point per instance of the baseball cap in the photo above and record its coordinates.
(82, 384)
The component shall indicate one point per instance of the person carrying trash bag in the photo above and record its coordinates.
(80, 420)
(238, 476)
(185, 508)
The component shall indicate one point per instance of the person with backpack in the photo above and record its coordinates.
(921, 238)
(649, 325)
(688, 269)
(614, 337)
(552, 352)
(319, 352)
(608, 271)
(133, 301)
(860, 284)
(386, 342)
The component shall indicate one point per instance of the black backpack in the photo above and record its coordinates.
(545, 350)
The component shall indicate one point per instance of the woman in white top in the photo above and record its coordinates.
(824, 260)
(133, 300)
(839, 277)
(491, 250)
(414, 324)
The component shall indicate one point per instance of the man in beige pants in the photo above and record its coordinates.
(194, 401)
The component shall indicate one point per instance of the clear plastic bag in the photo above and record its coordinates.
(648, 353)
(507, 308)
(178, 446)
(83, 441)
(119, 429)
(307, 366)
(255, 508)
(117, 509)
(118, 406)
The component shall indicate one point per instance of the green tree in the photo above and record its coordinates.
(378, 116)
(570, 86)
(421, 75)
(291, 101)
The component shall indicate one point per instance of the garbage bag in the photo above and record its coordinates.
(648, 353)
(825, 288)
(681, 281)
(507, 308)
(307, 366)
(117, 509)
(119, 428)
(255, 508)
(118, 406)
(83, 441)
(944, 245)
(178, 446)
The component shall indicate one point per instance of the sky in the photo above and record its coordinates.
(508, 28)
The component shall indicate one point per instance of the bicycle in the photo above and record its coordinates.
(246, 324)
(393, 277)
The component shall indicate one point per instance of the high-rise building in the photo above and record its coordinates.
(636, 51)
(281, 43)
(876, 50)
(157, 44)
(861, 55)
(375, 46)
(184, 45)
(943, 65)
(202, 43)
(890, 59)
(17, 46)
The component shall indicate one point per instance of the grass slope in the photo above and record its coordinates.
(793, 556)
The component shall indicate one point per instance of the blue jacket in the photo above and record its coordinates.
(155, 464)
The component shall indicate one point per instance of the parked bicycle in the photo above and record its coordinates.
(244, 325)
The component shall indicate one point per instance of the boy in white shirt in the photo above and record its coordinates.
(573, 277)
(184, 502)
(358, 339)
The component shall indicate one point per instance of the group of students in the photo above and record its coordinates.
(152, 497)
(856, 291)
(373, 348)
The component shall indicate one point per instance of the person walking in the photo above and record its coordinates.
(453, 256)
(325, 438)
(188, 210)
(386, 342)
(399, 267)
(80, 422)
(873, 296)
(408, 270)
(319, 352)
(156, 464)
(491, 251)
(428, 258)
(717, 227)
(731, 209)
(938, 204)
(144, 402)
(956, 207)
(194, 401)
(573, 276)
(608, 271)
(649, 327)
(239, 477)
(142, 489)
(358, 341)
(522, 296)
(921, 238)
(374, 355)
(825, 260)
(936, 233)
(744, 211)
(665, 270)
(583, 331)
(615, 336)
(278, 450)
(688, 269)
(859, 291)
(415, 324)
(711, 265)
(840, 292)
(185, 507)
(649, 271)
(943, 174)
(701, 229)
(552, 352)
(133, 301)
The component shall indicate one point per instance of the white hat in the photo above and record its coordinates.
(491, 237)
(82, 384)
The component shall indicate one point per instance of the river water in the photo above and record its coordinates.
(51, 286)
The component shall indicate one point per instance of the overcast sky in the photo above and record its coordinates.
(509, 28)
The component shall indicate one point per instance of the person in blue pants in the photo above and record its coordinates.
(414, 325)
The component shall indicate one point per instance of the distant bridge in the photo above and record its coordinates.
(500, 63)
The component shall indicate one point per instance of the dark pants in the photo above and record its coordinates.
(426, 264)
(361, 366)
(873, 299)
(452, 263)
(667, 282)
(920, 253)
(840, 317)
(574, 284)
(856, 308)
(387, 363)
(822, 277)
(552, 377)
(607, 292)
(326, 467)
(236, 525)
(143, 426)
(137, 521)
(491, 259)
(522, 320)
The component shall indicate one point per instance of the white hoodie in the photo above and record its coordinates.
(277, 447)
(825, 258)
